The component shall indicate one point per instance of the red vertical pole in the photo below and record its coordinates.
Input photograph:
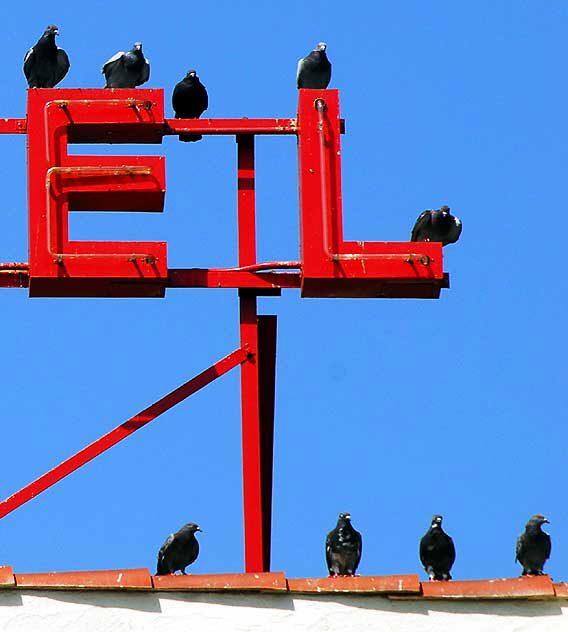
(267, 384)
(250, 377)
(246, 199)
(252, 467)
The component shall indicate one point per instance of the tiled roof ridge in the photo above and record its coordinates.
(392, 586)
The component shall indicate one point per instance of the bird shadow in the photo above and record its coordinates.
(268, 601)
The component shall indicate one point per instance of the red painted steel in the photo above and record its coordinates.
(227, 278)
(257, 407)
(251, 437)
(246, 200)
(60, 183)
(14, 278)
(231, 126)
(124, 430)
(15, 265)
(266, 389)
(330, 265)
(13, 126)
(14, 274)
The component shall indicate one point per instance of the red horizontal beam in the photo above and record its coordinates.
(121, 432)
(232, 126)
(227, 278)
(13, 126)
(14, 274)
(14, 278)
(15, 265)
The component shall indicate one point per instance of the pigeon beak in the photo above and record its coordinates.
(546, 520)
(199, 529)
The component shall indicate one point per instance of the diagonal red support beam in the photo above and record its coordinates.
(124, 430)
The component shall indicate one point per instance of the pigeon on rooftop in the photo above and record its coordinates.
(179, 550)
(437, 551)
(439, 225)
(190, 100)
(45, 64)
(533, 546)
(343, 547)
(127, 70)
(314, 70)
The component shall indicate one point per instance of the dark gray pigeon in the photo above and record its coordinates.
(314, 70)
(190, 100)
(438, 225)
(127, 70)
(179, 550)
(343, 547)
(533, 546)
(437, 551)
(45, 64)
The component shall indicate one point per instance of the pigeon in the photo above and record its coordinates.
(437, 551)
(190, 100)
(314, 70)
(179, 550)
(533, 546)
(438, 225)
(45, 64)
(343, 547)
(127, 70)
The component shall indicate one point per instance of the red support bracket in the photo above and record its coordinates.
(124, 430)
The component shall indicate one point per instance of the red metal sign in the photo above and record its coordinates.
(60, 183)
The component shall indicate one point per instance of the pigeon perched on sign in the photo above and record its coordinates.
(314, 70)
(343, 547)
(533, 546)
(179, 550)
(190, 100)
(438, 225)
(45, 64)
(437, 551)
(127, 70)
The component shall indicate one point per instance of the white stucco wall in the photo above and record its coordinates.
(77, 611)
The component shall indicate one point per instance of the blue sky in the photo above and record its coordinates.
(392, 410)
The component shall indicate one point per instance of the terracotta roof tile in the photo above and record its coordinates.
(265, 582)
(7, 577)
(131, 578)
(518, 588)
(392, 586)
(357, 584)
